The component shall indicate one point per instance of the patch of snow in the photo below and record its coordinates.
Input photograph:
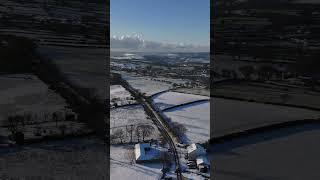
(121, 166)
(170, 99)
(196, 118)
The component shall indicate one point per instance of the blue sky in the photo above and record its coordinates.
(162, 21)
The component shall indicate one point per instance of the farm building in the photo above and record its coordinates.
(195, 150)
(203, 164)
(144, 152)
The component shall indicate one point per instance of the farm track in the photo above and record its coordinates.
(265, 102)
(159, 122)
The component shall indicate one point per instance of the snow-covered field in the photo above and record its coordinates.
(198, 91)
(83, 66)
(196, 118)
(233, 115)
(145, 85)
(78, 158)
(124, 117)
(120, 95)
(149, 85)
(121, 167)
(170, 99)
(274, 92)
(287, 154)
(26, 93)
(128, 115)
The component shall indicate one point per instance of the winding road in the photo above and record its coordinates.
(159, 122)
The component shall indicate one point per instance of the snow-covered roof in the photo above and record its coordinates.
(141, 154)
(195, 147)
(202, 160)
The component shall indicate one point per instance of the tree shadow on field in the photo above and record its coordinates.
(259, 137)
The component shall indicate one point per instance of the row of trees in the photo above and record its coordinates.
(129, 133)
(115, 102)
(264, 72)
(16, 123)
(249, 72)
(178, 129)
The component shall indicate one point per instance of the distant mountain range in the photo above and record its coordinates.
(164, 57)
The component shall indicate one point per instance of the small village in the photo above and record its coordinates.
(148, 136)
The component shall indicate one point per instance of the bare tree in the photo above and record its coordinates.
(15, 125)
(55, 118)
(37, 131)
(138, 133)
(27, 117)
(119, 134)
(46, 116)
(63, 128)
(112, 138)
(130, 131)
(162, 140)
(178, 129)
(146, 130)
(247, 71)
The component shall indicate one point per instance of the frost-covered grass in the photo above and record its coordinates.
(149, 85)
(79, 158)
(123, 117)
(196, 118)
(145, 85)
(264, 92)
(122, 168)
(120, 96)
(128, 115)
(287, 153)
(170, 99)
(26, 93)
(198, 91)
(233, 115)
(82, 66)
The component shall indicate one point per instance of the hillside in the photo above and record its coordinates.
(55, 22)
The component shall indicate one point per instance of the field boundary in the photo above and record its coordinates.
(185, 104)
(260, 130)
(262, 102)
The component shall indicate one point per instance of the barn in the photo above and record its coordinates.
(195, 150)
(144, 152)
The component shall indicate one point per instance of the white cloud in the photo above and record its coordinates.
(127, 42)
(135, 42)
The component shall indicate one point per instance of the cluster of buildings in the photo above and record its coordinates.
(196, 155)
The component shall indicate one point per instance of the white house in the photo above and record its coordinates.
(203, 163)
(144, 152)
(195, 150)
